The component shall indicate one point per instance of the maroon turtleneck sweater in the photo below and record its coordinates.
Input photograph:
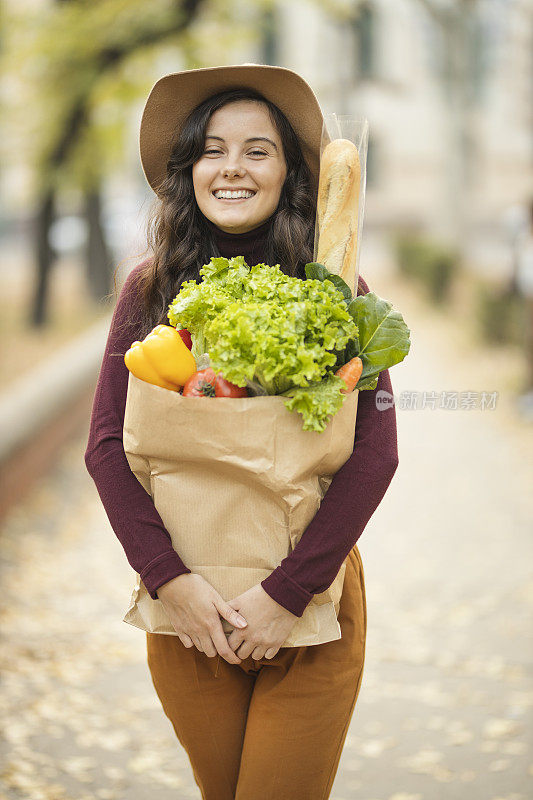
(354, 494)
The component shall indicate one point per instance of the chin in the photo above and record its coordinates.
(234, 224)
(235, 228)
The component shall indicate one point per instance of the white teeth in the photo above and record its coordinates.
(227, 195)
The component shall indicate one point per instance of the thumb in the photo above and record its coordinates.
(232, 616)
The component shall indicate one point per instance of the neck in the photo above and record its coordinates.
(251, 245)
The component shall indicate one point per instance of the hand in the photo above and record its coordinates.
(269, 624)
(194, 608)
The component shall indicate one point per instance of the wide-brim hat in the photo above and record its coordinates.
(174, 96)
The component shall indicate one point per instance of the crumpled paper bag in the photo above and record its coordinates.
(236, 482)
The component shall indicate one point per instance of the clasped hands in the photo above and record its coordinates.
(195, 609)
(269, 624)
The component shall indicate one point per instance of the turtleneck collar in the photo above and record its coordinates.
(251, 245)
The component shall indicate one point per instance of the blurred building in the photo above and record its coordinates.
(449, 101)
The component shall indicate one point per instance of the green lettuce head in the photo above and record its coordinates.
(286, 334)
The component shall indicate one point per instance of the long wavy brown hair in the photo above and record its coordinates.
(177, 232)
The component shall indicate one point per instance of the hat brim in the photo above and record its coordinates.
(174, 96)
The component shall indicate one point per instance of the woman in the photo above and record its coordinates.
(236, 172)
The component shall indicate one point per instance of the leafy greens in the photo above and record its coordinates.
(286, 334)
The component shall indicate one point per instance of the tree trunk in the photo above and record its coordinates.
(44, 257)
(98, 259)
(75, 120)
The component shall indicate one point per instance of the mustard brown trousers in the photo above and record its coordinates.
(271, 729)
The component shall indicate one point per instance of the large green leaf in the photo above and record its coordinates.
(383, 336)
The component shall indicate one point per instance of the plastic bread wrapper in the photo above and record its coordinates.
(355, 129)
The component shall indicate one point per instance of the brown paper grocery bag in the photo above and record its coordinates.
(236, 482)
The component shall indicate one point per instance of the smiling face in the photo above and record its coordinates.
(243, 156)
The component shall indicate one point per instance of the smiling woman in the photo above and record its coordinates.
(233, 155)
(237, 183)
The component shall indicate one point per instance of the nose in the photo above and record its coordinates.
(232, 167)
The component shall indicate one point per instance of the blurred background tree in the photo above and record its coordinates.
(72, 65)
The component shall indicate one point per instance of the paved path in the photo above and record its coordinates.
(444, 711)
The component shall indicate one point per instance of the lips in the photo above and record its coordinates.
(233, 199)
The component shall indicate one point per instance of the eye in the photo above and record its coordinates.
(209, 152)
(258, 153)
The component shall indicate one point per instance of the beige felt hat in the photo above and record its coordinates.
(174, 96)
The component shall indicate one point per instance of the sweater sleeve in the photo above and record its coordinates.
(354, 494)
(130, 509)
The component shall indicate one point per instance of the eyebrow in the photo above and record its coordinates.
(251, 139)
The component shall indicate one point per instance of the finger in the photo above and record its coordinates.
(185, 640)
(271, 652)
(197, 643)
(223, 647)
(207, 645)
(232, 616)
(245, 649)
(235, 640)
(258, 653)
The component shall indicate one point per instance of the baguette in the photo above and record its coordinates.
(338, 209)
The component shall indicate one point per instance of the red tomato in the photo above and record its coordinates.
(224, 388)
(186, 336)
(205, 383)
(201, 384)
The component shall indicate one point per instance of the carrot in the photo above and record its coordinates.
(350, 373)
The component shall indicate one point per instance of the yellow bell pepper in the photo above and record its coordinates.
(161, 358)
